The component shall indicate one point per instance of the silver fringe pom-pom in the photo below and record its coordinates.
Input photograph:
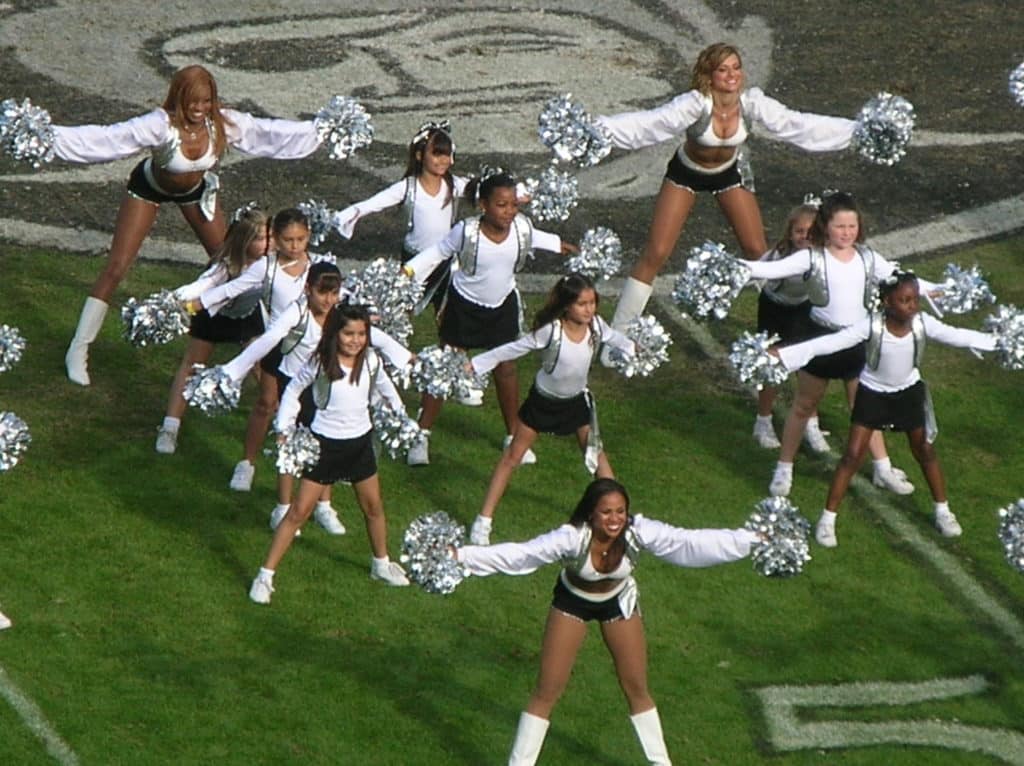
(571, 134)
(155, 320)
(1007, 324)
(345, 125)
(884, 127)
(963, 290)
(14, 440)
(1011, 533)
(1017, 85)
(753, 364)
(25, 132)
(710, 282)
(395, 430)
(600, 255)
(784, 547)
(440, 371)
(651, 342)
(320, 220)
(212, 390)
(553, 195)
(426, 552)
(299, 450)
(390, 294)
(12, 345)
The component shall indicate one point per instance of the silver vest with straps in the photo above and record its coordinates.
(297, 332)
(322, 384)
(817, 278)
(576, 561)
(522, 229)
(697, 129)
(549, 354)
(874, 343)
(409, 201)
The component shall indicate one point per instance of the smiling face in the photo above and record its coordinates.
(198, 104)
(609, 516)
(727, 77)
(500, 208)
(321, 301)
(800, 231)
(435, 162)
(352, 339)
(842, 229)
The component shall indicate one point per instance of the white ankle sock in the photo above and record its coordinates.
(828, 518)
(784, 467)
(172, 424)
(765, 420)
(942, 508)
(323, 505)
(280, 507)
(885, 464)
(266, 574)
(483, 522)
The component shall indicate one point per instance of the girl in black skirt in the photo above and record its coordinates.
(891, 394)
(568, 333)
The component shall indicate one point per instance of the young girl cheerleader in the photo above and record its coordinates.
(783, 309)
(840, 274)
(481, 307)
(344, 374)
(187, 136)
(237, 322)
(891, 394)
(599, 548)
(714, 120)
(568, 332)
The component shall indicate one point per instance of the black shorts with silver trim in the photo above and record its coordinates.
(695, 181)
(140, 187)
(567, 602)
(548, 415)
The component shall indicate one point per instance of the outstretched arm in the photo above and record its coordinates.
(693, 547)
(521, 558)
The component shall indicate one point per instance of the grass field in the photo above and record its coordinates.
(126, 574)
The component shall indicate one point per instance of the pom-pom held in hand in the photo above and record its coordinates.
(784, 547)
(651, 343)
(884, 127)
(753, 364)
(1007, 324)
(710, 282)
(572, 134)
(1011, 533)
(390, 294)
(155, 320)
(1017, 85)
(321, 220)
(14, 440)
(299, 450)
(211, 390)
(440, 371)
(600, 255)
(963, 290)
(12, 346)
(553, 195)
(426, 552)
(395, 430)
(25, 132)
(345, 126)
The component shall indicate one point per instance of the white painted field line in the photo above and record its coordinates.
(36, 722)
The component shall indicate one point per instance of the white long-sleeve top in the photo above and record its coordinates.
(495, 275)
(569, 376)
(256, 136)
(216, 274)
(347, 414)
(896, 369)
(285, 288)
(813, 132)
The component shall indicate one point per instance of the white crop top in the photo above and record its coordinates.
(710, 138)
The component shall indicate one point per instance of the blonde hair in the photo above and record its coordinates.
(785, 244)
(184, 84)
(234, 251)
(708, 60)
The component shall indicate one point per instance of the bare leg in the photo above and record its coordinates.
(625, 640)
(298, 514)
(210, 233)
(604, 468)
(430, 408)
(766, 400)
(849, 464)
(197, 352)
(924, 454)
(744, 215)
(506, 383)
(259, 418)
(134, 220)
(809, 390)
(367, 494)
(522, 439)
(671, 209)
(563, 636)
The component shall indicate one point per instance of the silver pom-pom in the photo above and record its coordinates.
(963, 290)
(440, 371)
(783, 548)
(212, 390)
(426, 552)
(345, 125)
(389, 293)
(299, 450)
(651, 342)
(12, 345)
(1007, 324)
(600, 255)
(571, 134)
(1011, 533)
(1017, 85)
(156, 319)
(753, 364)
(884, 127)
(320, 220)
(396, 431)
(553, 195)
(25, 132)
(710, 282)
(14, 440)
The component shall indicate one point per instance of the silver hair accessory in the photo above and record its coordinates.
(444, 126)
(244, 210)
(487, 171)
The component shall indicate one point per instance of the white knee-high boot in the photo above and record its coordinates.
(632, 303)
(529, 740)
(89, 324)
(648, 731)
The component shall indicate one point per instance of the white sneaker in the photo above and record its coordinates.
(816, 439)
(166, 441)
(480, 532)
(390, 572)
(947, 524)
(5, 621)
(764, 435)
(529, 457)
(892, 481)
(260, 591)
(474, 398)
(782, 482)
(825, 534)
(279, 513)
(241, 479)
(327, 518)
(419, 453)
